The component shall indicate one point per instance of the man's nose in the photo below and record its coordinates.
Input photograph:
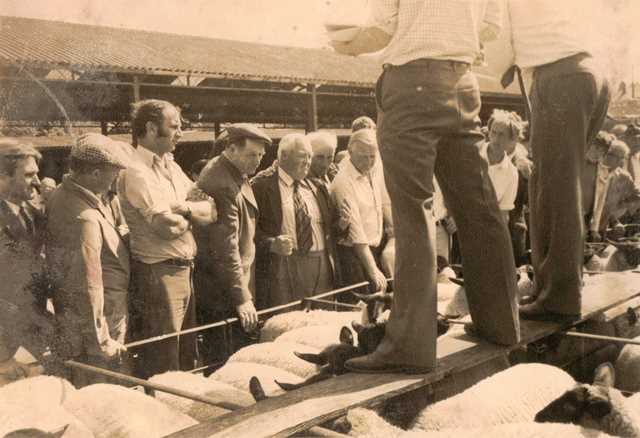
(36, 181)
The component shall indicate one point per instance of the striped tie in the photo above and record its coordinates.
(303, 221)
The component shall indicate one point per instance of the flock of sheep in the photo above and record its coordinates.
(300, 347)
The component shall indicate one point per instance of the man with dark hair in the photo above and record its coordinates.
(23, 317)
(226, 265)
(154, 193)
(88, 259)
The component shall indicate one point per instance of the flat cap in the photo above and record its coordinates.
(100, 150)
(239, 131)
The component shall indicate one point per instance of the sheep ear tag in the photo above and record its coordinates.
(310, 357)
(605, 375)
(346, 336)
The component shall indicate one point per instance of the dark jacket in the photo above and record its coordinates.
(21, 261)
(267, 192)
(229, 251)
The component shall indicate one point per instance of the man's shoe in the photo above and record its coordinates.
(370, 364)
(536, 312)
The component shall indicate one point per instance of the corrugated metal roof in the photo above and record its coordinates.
(34, 41)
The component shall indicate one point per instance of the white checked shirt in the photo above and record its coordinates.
(544, 31)
(504, 177)
(434, 29)
(285, 182)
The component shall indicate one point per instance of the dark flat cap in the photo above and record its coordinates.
(238, 131)
(98, 149)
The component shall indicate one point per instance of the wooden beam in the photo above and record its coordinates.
(600, 338)
(312, 108)
(457, 352)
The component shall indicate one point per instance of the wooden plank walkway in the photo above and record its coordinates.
(299, 410)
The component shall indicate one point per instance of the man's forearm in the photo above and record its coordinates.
(368, 40)
(169, 226)
(202, 212)
(366, 259)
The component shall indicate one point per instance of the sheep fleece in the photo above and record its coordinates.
(112, 411)
(514, 395)
(278, 355)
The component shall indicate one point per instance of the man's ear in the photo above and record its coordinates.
(151, 128)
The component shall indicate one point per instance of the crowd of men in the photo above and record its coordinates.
(129, 247)
(128, 226)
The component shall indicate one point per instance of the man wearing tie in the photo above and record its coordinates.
(294, 237)
(23, 317)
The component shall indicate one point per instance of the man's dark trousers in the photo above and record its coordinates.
(569, 102)
(428, 121)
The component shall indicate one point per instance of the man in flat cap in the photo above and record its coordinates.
(229, 259)
(23, 318)
(88, 259)
(154, 193)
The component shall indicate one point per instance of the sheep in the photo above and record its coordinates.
(32, 392)
(229, 397)
(40, 421)
(277, 354)
(366, 423)
(314, 336)
(514, 395)
(113, 411)
(237, 374)
(627, 368)
(458, 305)
(284, 322)
(599, 406)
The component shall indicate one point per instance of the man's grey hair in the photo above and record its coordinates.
(363, 136)
(319, 139)
(292, 141)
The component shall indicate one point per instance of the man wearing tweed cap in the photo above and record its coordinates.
(88, 258)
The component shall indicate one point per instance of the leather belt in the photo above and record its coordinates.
(183, 263)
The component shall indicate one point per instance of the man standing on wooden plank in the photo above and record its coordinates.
(569, 101)
(428, 104)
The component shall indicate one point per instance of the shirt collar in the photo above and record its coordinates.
(15, 208)
(148, 157)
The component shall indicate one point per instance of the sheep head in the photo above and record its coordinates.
(598, 406)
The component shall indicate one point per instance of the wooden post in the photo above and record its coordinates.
(104, 129)
(312, 109)
(136, 88)
(216, 129)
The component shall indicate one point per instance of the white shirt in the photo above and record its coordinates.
(285, 182)
(603, 178)
(366, 196)
(434, 29)
(504, 177)
(544, 31)
(148, 188)
(439, 209)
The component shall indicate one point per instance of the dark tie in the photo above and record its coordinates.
(304, 234)
(29, 224)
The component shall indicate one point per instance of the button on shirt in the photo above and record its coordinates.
(148, 188)
(504, 177)
(366, 195)
(285, 183)
(546, 31)
(434, 29)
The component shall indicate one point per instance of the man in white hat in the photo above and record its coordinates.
(88, 259)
